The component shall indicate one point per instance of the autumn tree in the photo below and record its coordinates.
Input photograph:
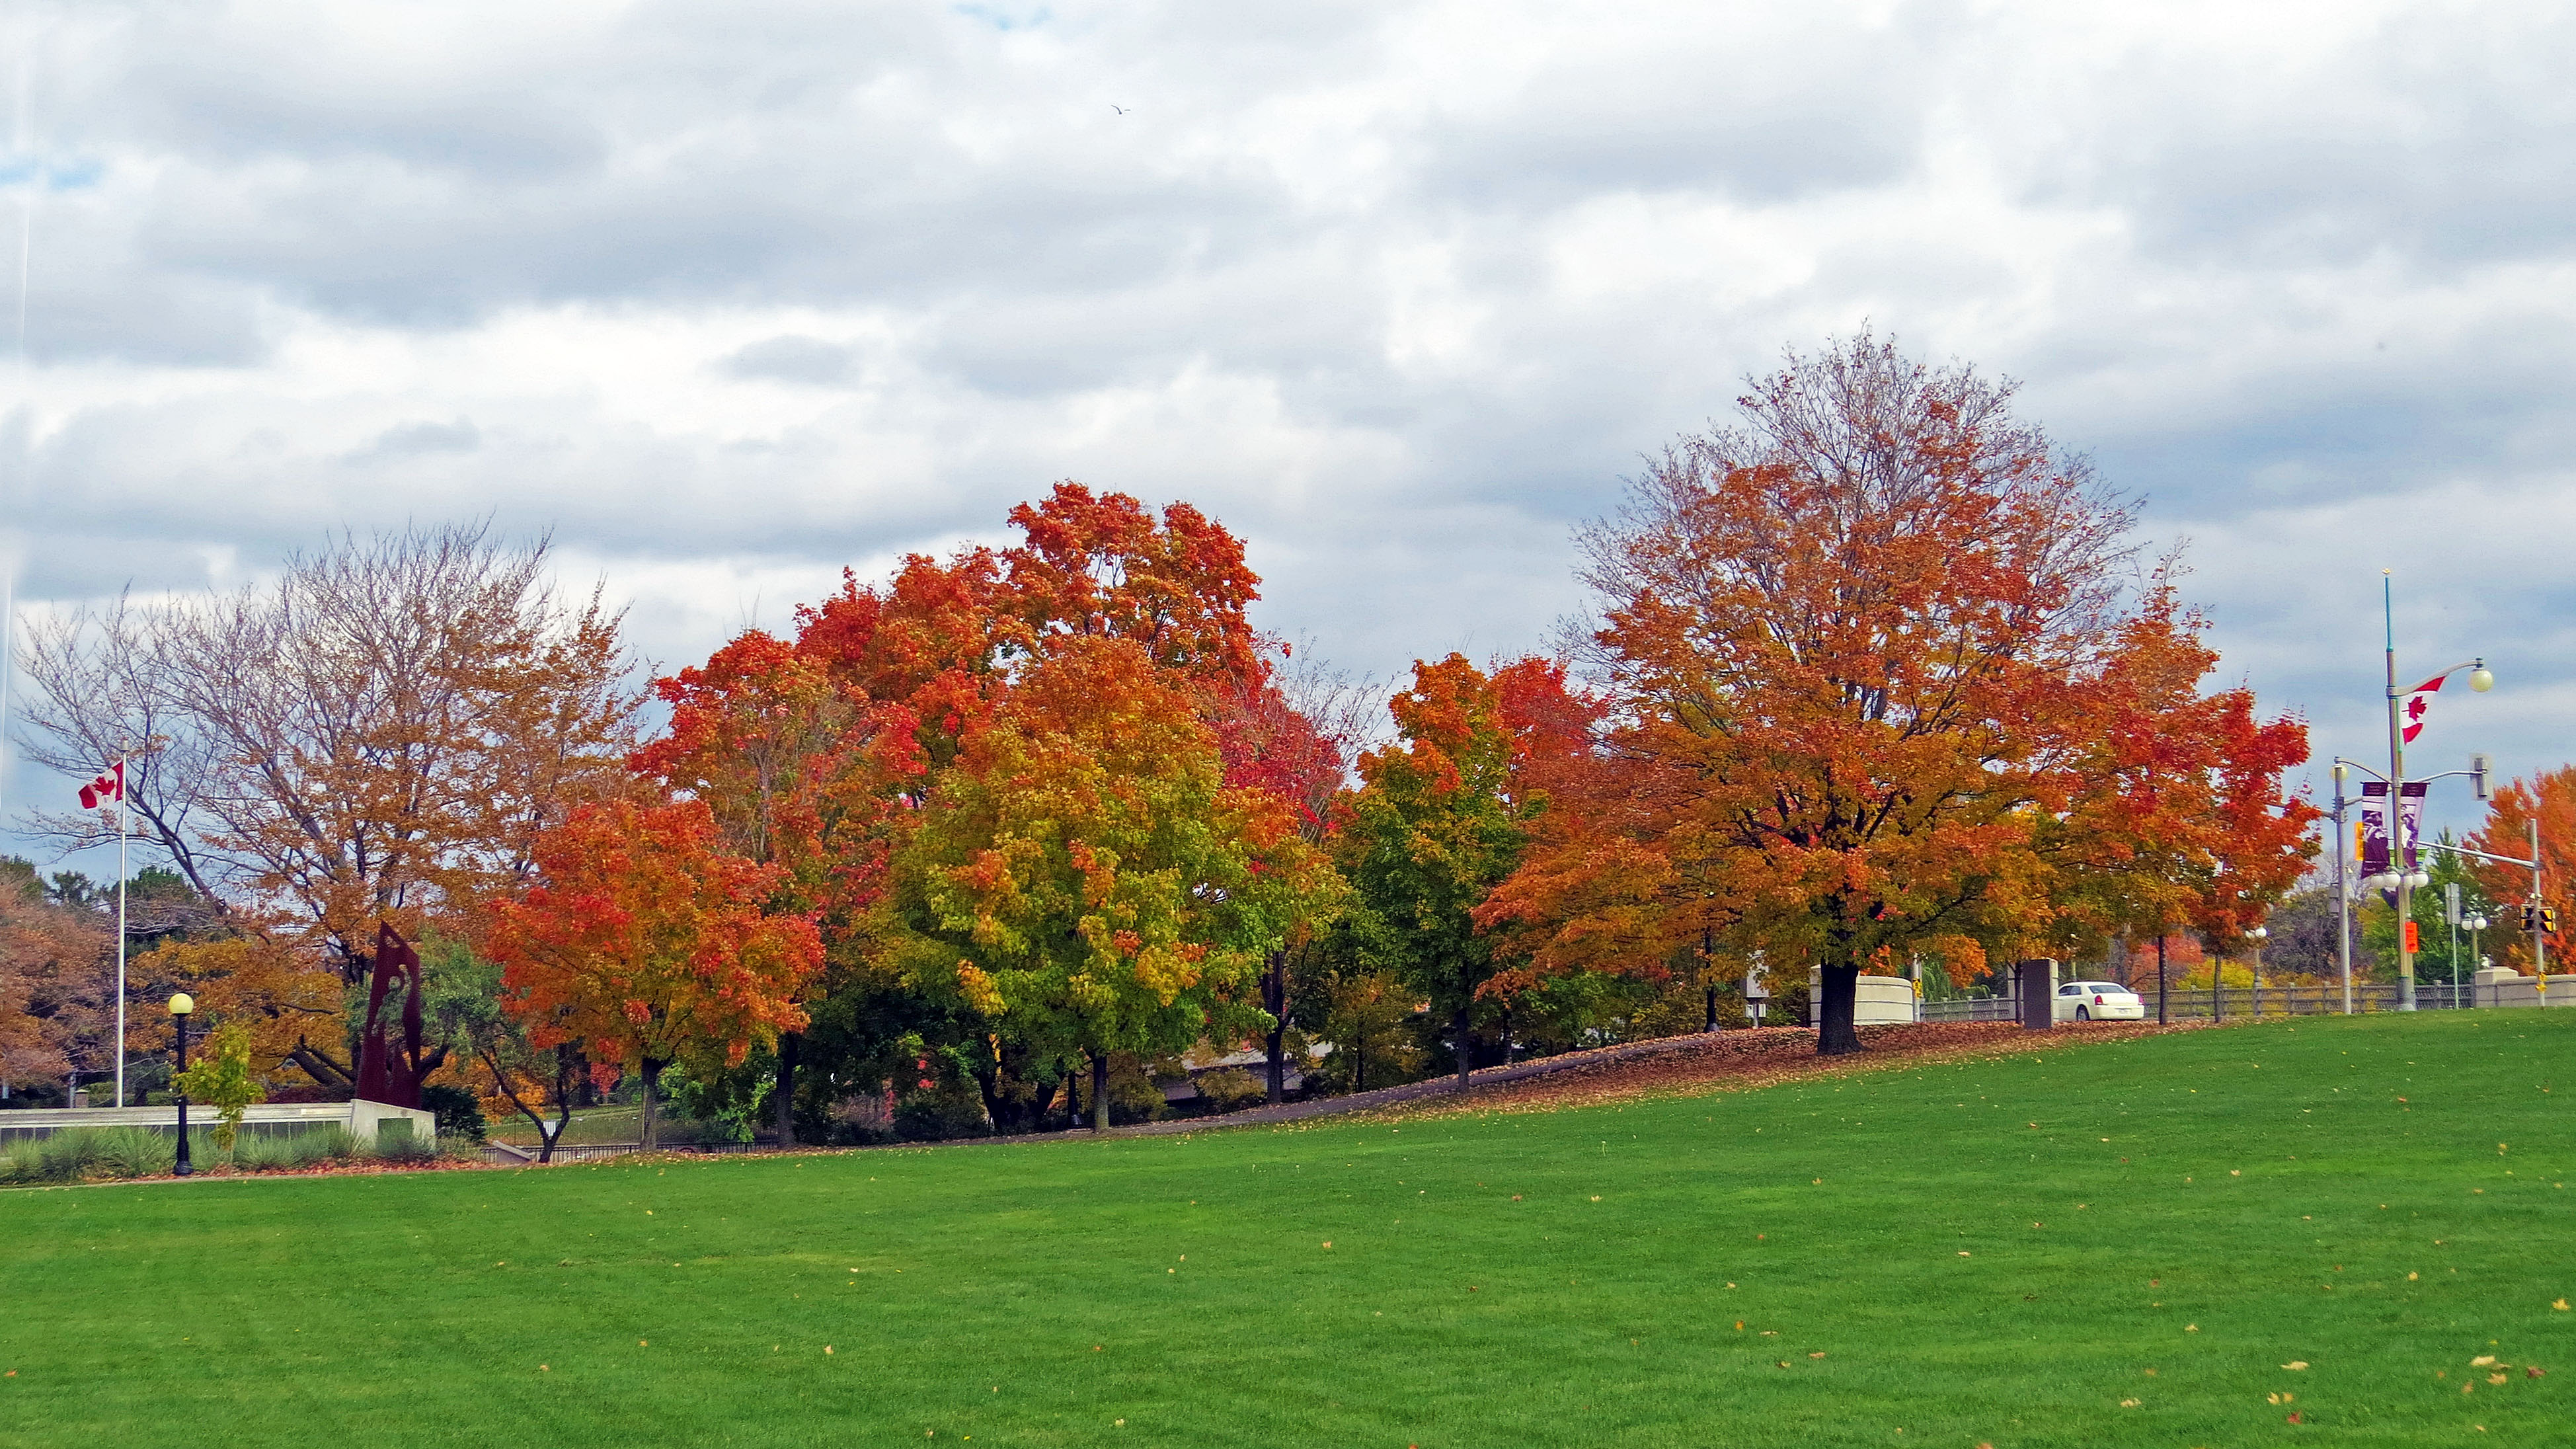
(2548, 798)
(1294, 736)
(768, 740)
(1440, 819)
(375, 737)
(1084, 879)
(1861, 650)
(2186, 819)
(54, 982)
(647, 942)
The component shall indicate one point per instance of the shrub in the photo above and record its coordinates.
(937, 1115)
(135, 1151)
(23, 1160)
(459, 1112)
(405, 1150)
(261, 1152)
(1226, 1089)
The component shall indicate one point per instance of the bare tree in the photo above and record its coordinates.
(374, 738)
(102, 697)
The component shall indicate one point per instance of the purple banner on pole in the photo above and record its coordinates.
(2410, 817)
(2374, 827)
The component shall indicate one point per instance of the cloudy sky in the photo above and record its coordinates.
(732, 296)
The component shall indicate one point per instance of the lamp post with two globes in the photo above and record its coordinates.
(2402, 876)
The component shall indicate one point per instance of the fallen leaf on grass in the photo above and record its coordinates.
(1815, 1355)
(1963, 1252)
(2560, 1305)
(2482, 1360)
(2128, 1403)
(2294, 1418)
(2191, 1328)
(2295, 1365)
(2531, 1373)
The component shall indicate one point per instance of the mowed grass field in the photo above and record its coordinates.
(2118, 1244)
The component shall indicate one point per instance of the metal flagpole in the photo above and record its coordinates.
(121, 833)
(2400, 859)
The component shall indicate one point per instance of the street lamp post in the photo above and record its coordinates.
(2258, 936)
(2399, 865)
(181, 1007)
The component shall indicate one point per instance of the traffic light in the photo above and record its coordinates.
(2549, 920)
(2530, 918)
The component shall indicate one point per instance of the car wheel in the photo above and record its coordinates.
(2083, 1013)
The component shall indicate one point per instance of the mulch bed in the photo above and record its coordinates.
(1770, 1055)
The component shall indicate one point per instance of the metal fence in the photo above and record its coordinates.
(2240, 1003)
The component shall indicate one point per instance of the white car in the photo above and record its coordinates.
(2097, 1001)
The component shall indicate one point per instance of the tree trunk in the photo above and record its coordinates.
(652, 1078)
(1274, 995)
(785, 1087)
(1837, 1034)
(1466, 1048)
(1100, 1091)
(1712, 1010)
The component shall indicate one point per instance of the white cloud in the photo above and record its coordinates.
(731, 298)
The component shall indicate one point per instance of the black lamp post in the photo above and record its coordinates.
(181, 1006)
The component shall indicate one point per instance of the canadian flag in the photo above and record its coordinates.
(2418, 700)
(110, 786)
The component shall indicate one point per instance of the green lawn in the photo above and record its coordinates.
(2263, 1197)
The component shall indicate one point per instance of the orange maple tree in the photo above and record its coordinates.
(647, 941)
(1862, 653)
(2550, 798)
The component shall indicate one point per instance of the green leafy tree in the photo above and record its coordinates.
(222, 1079)
(1084, 880)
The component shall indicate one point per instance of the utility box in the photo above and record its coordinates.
(2035, 991)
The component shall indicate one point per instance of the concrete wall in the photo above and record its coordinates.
(2497, 986)
(364, 1120)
